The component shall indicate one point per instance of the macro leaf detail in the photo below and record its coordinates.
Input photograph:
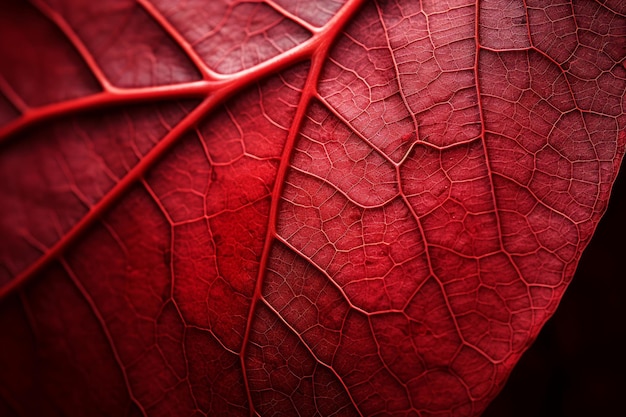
(282, 208)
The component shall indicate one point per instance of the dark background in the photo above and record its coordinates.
(577, 365)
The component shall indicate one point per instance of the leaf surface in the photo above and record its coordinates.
(294, 207)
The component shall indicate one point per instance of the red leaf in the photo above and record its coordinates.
(290, 207)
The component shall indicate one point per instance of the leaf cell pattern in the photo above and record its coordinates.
(279, 208)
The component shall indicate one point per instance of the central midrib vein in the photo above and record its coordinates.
(326, 38)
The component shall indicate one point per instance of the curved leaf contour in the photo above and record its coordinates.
(290, 207)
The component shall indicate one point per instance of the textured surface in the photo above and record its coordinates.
(574, 368)
(290, 207)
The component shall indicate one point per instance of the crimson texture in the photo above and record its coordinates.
(280, 208)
